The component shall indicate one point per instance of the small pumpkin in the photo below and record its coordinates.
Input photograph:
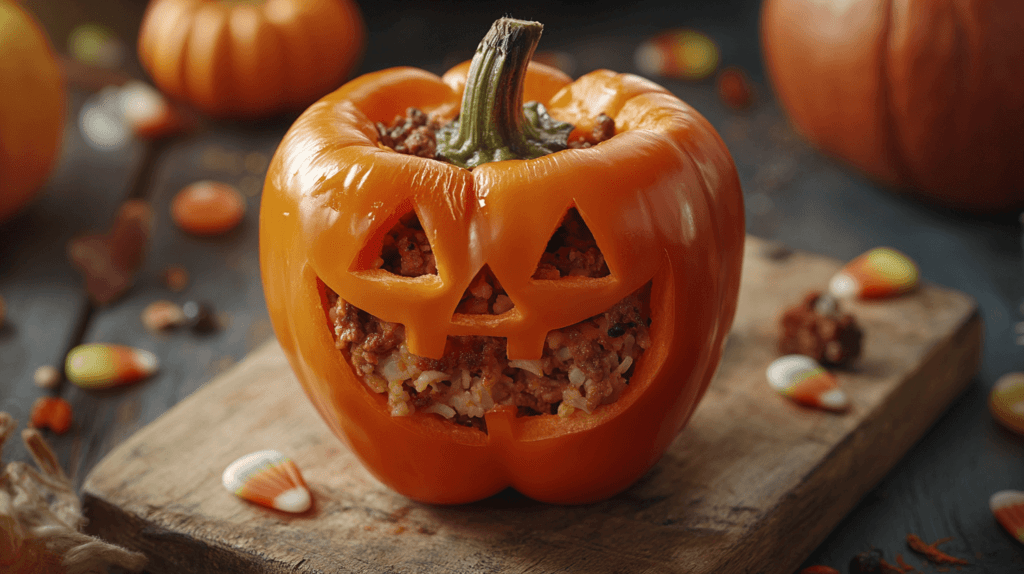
(32, 108)
(661, 197)
(250, 59)
(923, 95)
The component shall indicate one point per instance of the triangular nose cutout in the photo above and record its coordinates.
(484, 296)
(572, 250)
(405, 250)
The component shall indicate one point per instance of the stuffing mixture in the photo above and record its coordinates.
(583, 365)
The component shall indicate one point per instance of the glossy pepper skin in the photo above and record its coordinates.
(661, 197)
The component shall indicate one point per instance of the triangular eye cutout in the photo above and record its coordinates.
(571, 251)
(484, 296)
(405, 249)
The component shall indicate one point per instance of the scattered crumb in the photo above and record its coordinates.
(162, 315)
(175, 277)
(46, 377)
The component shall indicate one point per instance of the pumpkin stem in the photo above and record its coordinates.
(494, 124)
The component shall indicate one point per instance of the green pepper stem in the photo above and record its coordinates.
(493, 125)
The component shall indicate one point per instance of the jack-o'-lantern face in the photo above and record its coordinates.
(660, 198)
(505, 229)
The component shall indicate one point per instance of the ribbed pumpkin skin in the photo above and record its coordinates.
(250, 59)
(923, 95)
(32, 108)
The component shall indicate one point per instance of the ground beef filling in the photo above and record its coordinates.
(415, 133)
(582, 366)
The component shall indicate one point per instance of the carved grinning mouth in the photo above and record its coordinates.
(582, 366)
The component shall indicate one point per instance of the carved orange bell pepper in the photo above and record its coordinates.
(661, 198)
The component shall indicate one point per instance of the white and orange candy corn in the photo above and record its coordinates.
(880, 272)
(101, 365)
(269, 478)
(1006, 401)
(1008, 508)
(685, 53)
(803, 380)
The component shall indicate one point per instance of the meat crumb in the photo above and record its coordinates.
(413, 134)
(604, 129)
(582, 366)
(818, 328)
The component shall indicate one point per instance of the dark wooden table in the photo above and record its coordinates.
(793, 194)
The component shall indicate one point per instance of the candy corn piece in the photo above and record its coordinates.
(1008, 508)
(100, 365)
(803, 380)
(1007, 401)
(269, 478)
(148, 112)
(880, 272)
(686, 54)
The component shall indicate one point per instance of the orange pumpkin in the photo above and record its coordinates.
(250, 59)
(32, 101)
(924, 95)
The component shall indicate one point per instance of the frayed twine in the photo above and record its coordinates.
(41, 518)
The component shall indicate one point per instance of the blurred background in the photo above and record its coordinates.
(794, 195)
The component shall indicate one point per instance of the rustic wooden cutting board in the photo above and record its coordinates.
(752, 485)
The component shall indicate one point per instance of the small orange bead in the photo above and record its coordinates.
(208, 208)
(175, 277)
(53, 413)
(734, 88)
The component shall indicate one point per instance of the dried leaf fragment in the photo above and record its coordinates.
(109, 262)
(931, 551)
(41, 518)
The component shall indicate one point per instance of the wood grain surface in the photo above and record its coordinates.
(753, 484)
